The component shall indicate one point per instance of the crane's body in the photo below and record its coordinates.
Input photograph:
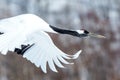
(26, 35)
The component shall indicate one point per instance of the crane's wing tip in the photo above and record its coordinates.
(76, 55)
(45, 71)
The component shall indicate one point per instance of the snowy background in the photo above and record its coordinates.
(100, 59)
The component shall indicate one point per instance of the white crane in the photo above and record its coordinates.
(26, 35)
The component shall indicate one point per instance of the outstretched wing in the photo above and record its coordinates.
(41, 52)
(44, 51)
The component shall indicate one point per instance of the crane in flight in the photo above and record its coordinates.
(26, 35)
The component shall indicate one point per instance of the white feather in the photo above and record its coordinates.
(45, 51)
(29, 29)
(10, 41)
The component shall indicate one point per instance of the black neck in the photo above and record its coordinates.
(70, 32)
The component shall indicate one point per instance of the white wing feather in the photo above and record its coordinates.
(10, 41)
(44, 51)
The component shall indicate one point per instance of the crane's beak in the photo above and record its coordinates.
(96, 35)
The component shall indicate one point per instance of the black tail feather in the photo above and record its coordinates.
(23, 49)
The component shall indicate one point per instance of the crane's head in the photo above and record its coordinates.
(85, 33)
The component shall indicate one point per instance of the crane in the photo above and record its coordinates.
(26, 35)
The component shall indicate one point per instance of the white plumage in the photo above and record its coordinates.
(30, 29)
